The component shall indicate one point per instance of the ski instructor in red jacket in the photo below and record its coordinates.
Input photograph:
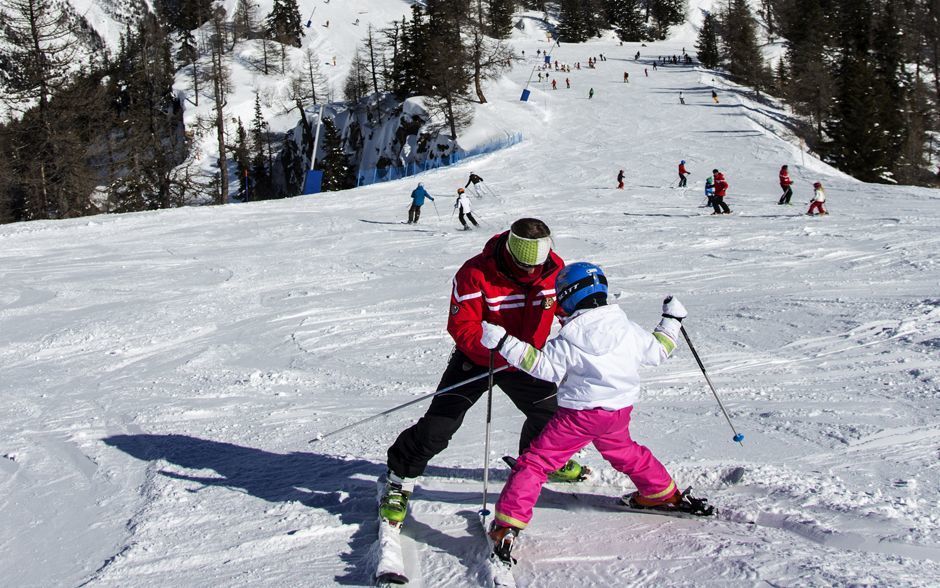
(512, 284)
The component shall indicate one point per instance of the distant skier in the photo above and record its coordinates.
(620, 180)
(463, 209)
(819, 197)
(682, 174)
(590, 93)
(721, 189)
(785, 183)
(417, 201)
(476, 181)
(646, 72)
(554, 84)
(709, 191)
(626, 77)
(594, 360)
(568, 83)
(715, 96)
(681, 98)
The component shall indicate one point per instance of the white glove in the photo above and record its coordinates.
(672, 308)
(492, 335)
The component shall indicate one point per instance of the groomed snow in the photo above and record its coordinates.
(162, 372)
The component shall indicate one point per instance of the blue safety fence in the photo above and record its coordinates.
(375, 175)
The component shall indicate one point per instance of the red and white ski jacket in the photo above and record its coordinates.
(485, 290)
(785, 179)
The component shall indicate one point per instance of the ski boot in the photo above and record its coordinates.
(503, 538)
(393, 506)
(570, 472)
(679, 502)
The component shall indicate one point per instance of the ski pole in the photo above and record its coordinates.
(486, 440)
(435, 210)
(405, 405)
(738, 437)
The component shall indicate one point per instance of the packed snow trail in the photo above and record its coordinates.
(162, 372)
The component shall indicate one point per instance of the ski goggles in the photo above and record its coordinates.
(529, 252)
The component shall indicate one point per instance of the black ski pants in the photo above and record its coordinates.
(718, 203)
(409, 455)
(787, 194)
(682, 181)
(414, 213)
(469, 215)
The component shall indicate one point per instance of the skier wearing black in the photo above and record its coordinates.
(475, 180)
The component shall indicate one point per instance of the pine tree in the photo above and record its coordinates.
(447, 72)
(707, 46)
(627, 20)
(806, 25)
(284, 23)
(335, 164)
(742, 51)
(145, 141)
(242, 156)
(855, 140)
(499, 17)
(890, 62)
(357, 81)
(666, 13)
(260, 185)
(35, 63)
(572, 22)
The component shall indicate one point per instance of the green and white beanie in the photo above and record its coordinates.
(530, 252)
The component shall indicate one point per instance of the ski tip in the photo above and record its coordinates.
(738, 438)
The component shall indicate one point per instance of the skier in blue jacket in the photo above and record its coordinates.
(417, 201)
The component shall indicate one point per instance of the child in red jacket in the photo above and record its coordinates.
(785, 183)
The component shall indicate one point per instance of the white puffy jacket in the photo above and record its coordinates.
(595, 358)
(463, 203)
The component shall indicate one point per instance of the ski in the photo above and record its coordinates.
(677, 514)
(390, 564)
(498, 570)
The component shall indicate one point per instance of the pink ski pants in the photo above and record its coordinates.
(566, 433)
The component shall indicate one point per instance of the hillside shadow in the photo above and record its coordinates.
(342, 487)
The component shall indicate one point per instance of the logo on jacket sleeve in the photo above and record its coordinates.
(454, 309)
(548, 302)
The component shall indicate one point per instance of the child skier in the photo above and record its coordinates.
(785, 183)
(819, 196)
(590, 93)
(682, 174)
(595, 360)
(463, 207)
(620, 180)
(709, 191)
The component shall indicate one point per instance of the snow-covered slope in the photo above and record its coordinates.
(162, 372)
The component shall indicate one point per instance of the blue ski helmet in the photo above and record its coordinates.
(578, 281)
(682, 162)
